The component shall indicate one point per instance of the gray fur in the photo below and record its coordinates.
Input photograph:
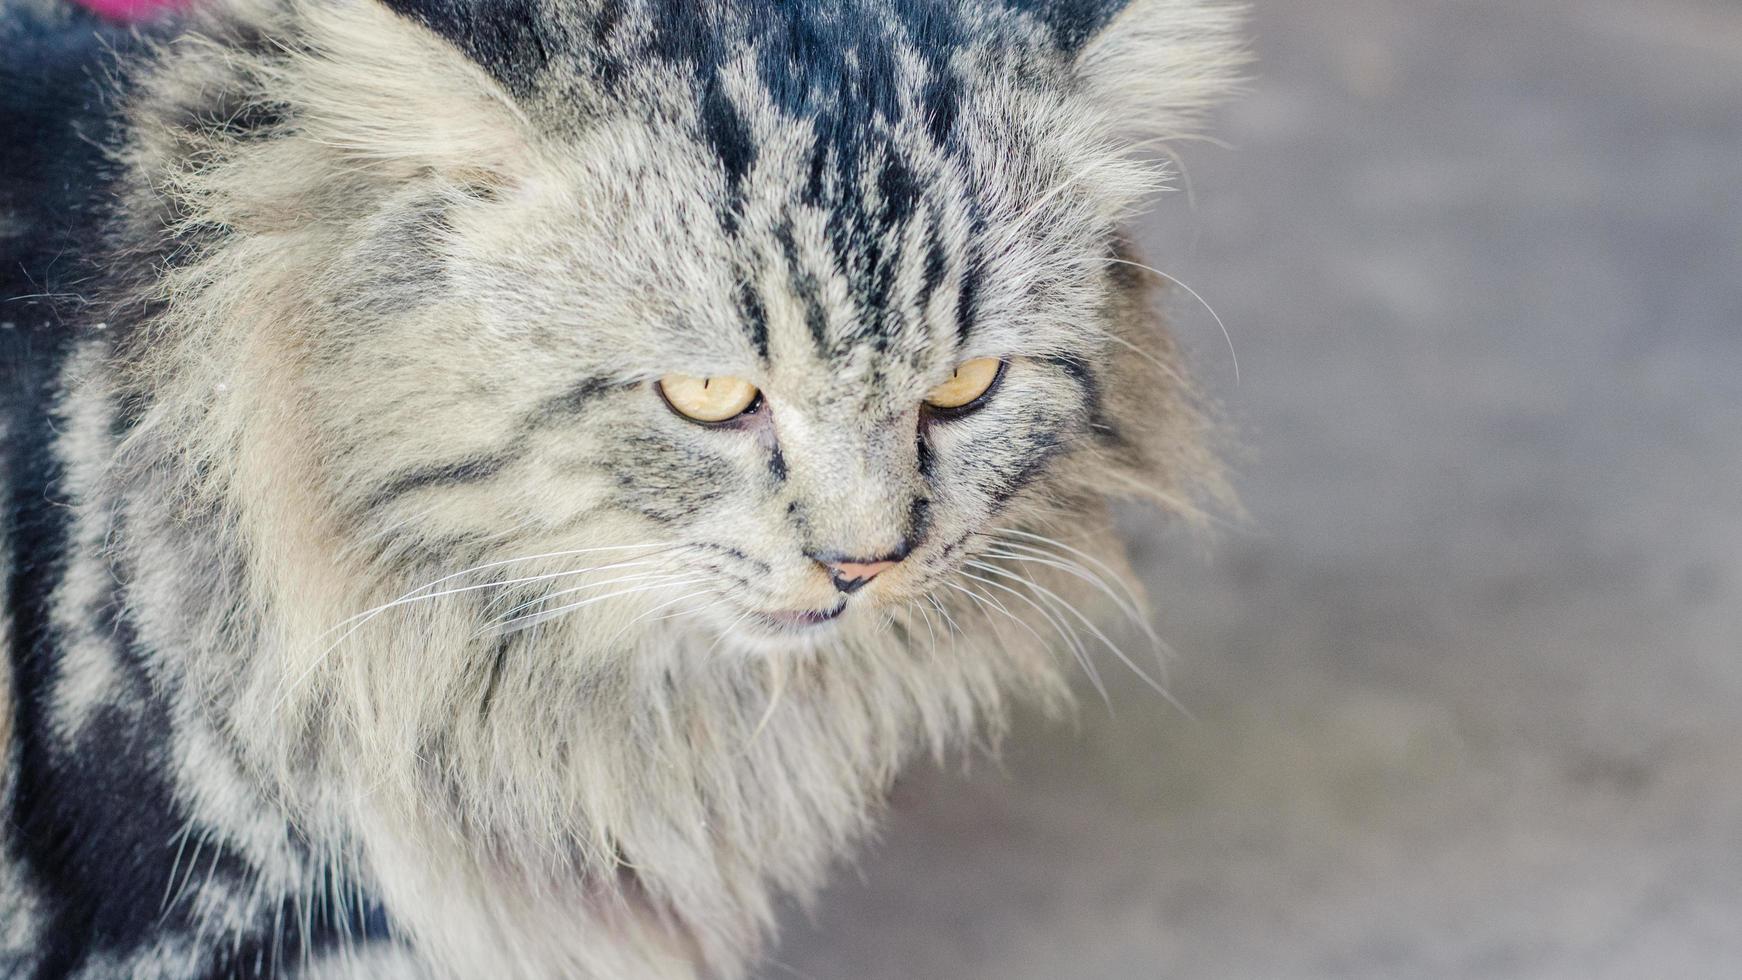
(392, 402)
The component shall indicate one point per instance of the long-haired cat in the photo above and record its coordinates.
(499, 488)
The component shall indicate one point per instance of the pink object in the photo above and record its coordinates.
(131, 10)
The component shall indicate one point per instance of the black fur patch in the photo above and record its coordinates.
(918, 522)
(1079, 371)
(505, 37)
(1030, 459)
(570, 402)
(53, 123)
(936, 265)
(809, 291)
(450, 474)
(1073, 22)
(755, 318)
(487, 465)
(835, 67)
(968, 297)
(941, 100)
(726, 132)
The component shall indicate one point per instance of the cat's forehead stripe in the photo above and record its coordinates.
(877, 89)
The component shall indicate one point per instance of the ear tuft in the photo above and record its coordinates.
(397, 92)
(1155, 65)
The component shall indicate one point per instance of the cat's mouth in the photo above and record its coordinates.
(799, 620)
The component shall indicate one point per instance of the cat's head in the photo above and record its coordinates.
(773, 311)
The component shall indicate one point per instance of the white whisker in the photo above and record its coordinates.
(930, 629)
(1131, 611)
(1088, 624)
(1136, 600)
(614, 636)
(362, 619)
(1062, 627)
(945, 613)
(416, 595)
(606, 583)
(524, 622)
(1194, 294)
(727, 631)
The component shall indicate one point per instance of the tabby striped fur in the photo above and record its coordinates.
(371, 616)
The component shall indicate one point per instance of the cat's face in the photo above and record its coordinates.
(809, 401)
(893, 241)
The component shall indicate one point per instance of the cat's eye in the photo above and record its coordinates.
(709, 399)
(968, 384)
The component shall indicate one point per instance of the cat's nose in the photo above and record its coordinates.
(853, 574)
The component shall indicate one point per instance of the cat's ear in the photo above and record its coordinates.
(1154, 66)
(393, 88)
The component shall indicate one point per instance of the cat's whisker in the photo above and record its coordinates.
(362, 619)
(626, 626)
(1134, 605)
(1058, 624)
(945, 613)
(606, 583)
(930, 629)
(1058, 602)
(504, 585)
(990, 604)
(1194, 294)
(1077, 570)
(886, 622)
(417, 594)
(525, 622)
(777, 667)
(1012, 532)
(174, 866)
(651, 548)
(720, 637)
(1088, 624)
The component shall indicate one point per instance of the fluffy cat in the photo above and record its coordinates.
(500, 488)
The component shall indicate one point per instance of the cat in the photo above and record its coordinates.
(500, 488)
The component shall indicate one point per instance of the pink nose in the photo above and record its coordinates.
(856, 569)
(850, 573)
(851, 576)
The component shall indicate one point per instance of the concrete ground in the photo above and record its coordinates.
(1468, 685)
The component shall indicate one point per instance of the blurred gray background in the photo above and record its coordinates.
(1468, 685)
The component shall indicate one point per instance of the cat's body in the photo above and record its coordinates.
(368, 612)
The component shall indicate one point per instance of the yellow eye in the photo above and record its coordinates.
(708, 399)
(970, 381)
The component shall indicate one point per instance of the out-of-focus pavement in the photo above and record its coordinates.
(1468, 686)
